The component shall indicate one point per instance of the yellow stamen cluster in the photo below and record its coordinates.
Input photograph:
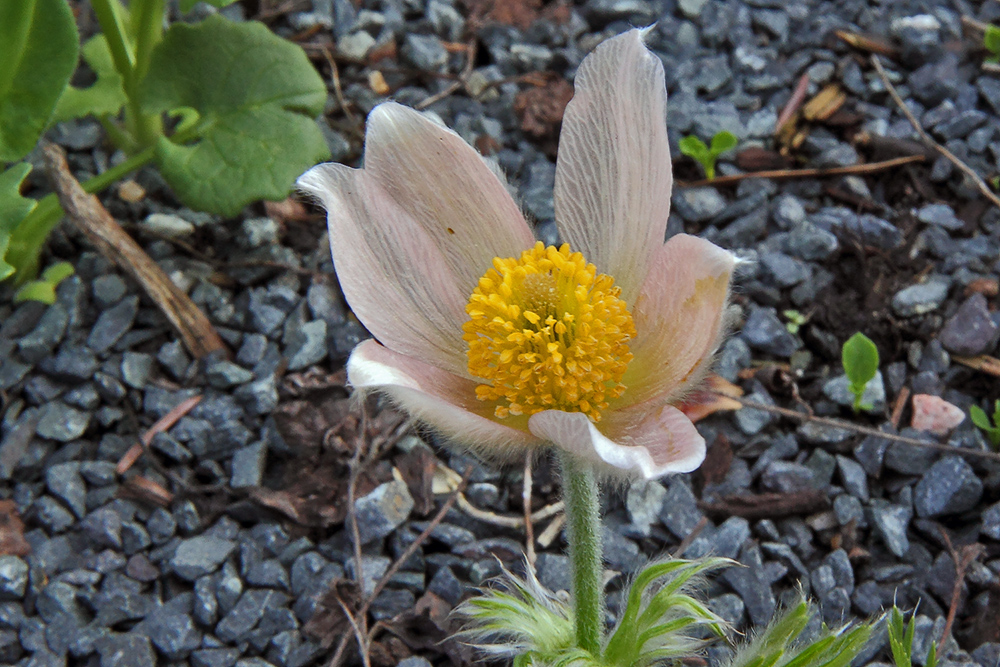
(548, 333)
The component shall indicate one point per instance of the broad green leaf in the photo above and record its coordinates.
(723, 141)
(105, 97)
(256, 95)
(991, 39)
(13, 209)
(188, 5)
(38, 50)
(693, 147)
(860, 359)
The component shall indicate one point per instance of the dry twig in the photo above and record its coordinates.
(686, 542)
(529, 527)
(962, 559)
(926, 138)
(867, 430)
(90, 217)
(781, 174)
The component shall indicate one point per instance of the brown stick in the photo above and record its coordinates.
(793, 104)
(867, 430)
(926, 138)
(529, 527)
(777, 174)
(90, 217)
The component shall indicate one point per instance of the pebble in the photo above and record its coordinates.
(921, 298)
(971, 331)
(248, 466)
(13, 577)
(950, 486)
(941, 215)
(169, 226)
(838, 390)
(891, 522)
(200, 555)
(763, 331)
(424, 52)
(934, 414)
(307, 345)
(125, 650)
(383, 510)
(62, 423)
(112, 324)
(698, 204)
(172, 632)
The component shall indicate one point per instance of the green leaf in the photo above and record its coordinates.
(979, 418)
(105, 97)
(723, 141)
(991, 39)
(860, 359)
(188, 5)
(693, 147)
(13, 209)
(44, 289)
(37, 58)
(256, 95)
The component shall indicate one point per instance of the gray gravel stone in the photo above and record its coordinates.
(62, 423)
(853, 477)
(200, 555)
(63, 480)
(112, 324)
(307, 345)
(787, 477)
(125, 650)
(248, 466)
(698, 204)
(172, 632)
(765, 332)
(971, 330)
(941, 215)
(425, 52)
(891, 522)
(643, 501)
(752, 589)
(223, 374)
(950, 486)
(49, 330)
(679, 511)
(13, 577)
(247, 612)
(921, 298)
(383, 510)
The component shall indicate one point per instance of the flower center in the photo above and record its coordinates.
(547, 332)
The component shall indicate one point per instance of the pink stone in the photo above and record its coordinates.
(934, 414)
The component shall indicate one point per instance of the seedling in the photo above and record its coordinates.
(991, 42)
(795, 320)
(901, 640)
(980, 419)
(695, 148)
(44, 289)
(860, 359)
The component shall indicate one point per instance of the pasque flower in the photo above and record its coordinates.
(502, 343)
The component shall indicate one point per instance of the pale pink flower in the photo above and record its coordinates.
(549, 349)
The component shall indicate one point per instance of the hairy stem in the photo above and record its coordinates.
(583, 523)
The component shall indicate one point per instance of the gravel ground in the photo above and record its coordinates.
(218, 546)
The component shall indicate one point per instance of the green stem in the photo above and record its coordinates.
(29, 237)
(148, 22)
(583, 525)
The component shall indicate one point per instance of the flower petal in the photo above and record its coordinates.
(447, 188)
(679, 317)
(392, 273)
(613, 172)
(442, 400)
(660, 442)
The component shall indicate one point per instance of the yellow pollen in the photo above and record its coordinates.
(547, 332)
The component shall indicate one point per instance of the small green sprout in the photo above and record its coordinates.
(695, 148)
(901, 640)
(860, 359)
(991, 42)
(795, 320)
(44, 289)
(980, 419)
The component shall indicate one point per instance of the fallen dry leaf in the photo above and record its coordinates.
(541, 109)
(12, 542)
(715, 394)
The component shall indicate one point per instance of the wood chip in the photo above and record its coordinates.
(768, 505)
(376, 81)
(824, 104)
(145, 490)
(131, 192)
(866, 43)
